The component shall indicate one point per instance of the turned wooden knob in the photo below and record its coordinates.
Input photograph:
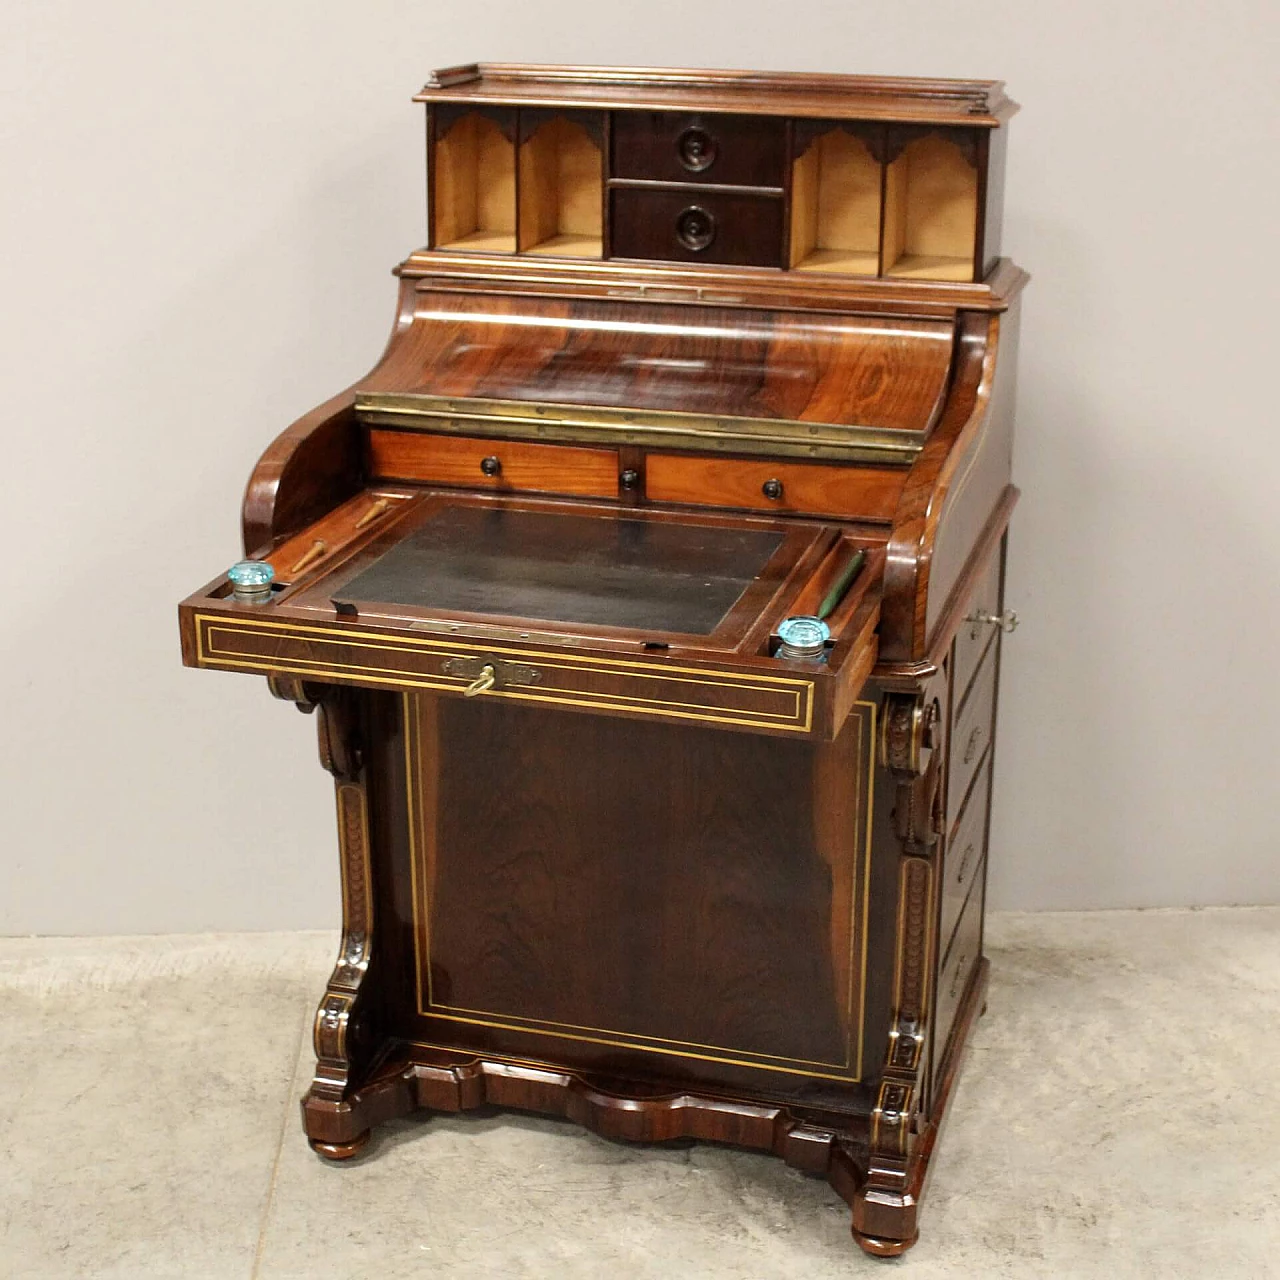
(492, 465)
(696, 149)
(630, 478)
(772, 489)
(695, 228)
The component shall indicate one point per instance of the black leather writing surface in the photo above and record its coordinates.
(642, 574)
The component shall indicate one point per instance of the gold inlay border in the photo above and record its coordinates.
(543, 420)
(799, 720)
(421, 908)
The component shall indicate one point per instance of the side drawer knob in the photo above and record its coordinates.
(492, 465)
(772, 489)
(630, 478)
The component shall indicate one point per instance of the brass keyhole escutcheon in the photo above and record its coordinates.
(482, 683)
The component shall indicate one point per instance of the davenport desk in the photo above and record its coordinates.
(649, 594)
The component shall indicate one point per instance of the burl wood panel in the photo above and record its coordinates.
(861, 493)
(870, 371)
(460, 460)
(713, 881)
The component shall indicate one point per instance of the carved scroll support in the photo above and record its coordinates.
(884, 1210)
(340, 1034)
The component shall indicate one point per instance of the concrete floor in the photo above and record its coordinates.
(1119, 1116)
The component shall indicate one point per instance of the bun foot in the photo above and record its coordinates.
(883, 1246)
(341, 1150)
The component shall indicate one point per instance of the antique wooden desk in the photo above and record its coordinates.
(689, 354)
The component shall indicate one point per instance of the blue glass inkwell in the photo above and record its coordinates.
(251, 581)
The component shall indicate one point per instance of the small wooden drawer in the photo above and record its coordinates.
(965, 851)
(678, 146)
(865, 493)
(493, 464)
(365, 653)
(971, 735)
(974, 636)
(957, 968)
(696, 226)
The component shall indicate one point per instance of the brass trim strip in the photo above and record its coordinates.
(628, 1040)
(542, 420)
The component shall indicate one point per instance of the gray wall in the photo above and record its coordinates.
(200, 207)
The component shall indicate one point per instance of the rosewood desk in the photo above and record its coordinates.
(649, 596)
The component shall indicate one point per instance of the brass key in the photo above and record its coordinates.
(485, 680)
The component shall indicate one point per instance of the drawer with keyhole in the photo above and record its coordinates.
(957, 969)
(966, 847)
(972, 732)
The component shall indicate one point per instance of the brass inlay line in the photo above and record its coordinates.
(533, 420)
(208, 654)
(870, 742)
(608, 1036)
(422, 642)
(538, 1024)
(460, 682)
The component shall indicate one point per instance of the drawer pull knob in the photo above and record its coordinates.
(630, 478)
(971, 747)
(1006, 621)
(492, 465)
(695, 228)
(772, 489)
(696, 149)
(482, 683)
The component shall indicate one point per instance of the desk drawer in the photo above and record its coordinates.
(973, 637)
(363, 655)
(965, 851)
(680, 146)
(864, 493)
(971, 735)
(696, 226)
(957, 968)
(493, 464)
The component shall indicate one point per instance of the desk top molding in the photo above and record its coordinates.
(818, 95)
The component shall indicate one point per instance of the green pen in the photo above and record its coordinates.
(841, 585)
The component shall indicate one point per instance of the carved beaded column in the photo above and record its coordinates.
(884, 1211)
